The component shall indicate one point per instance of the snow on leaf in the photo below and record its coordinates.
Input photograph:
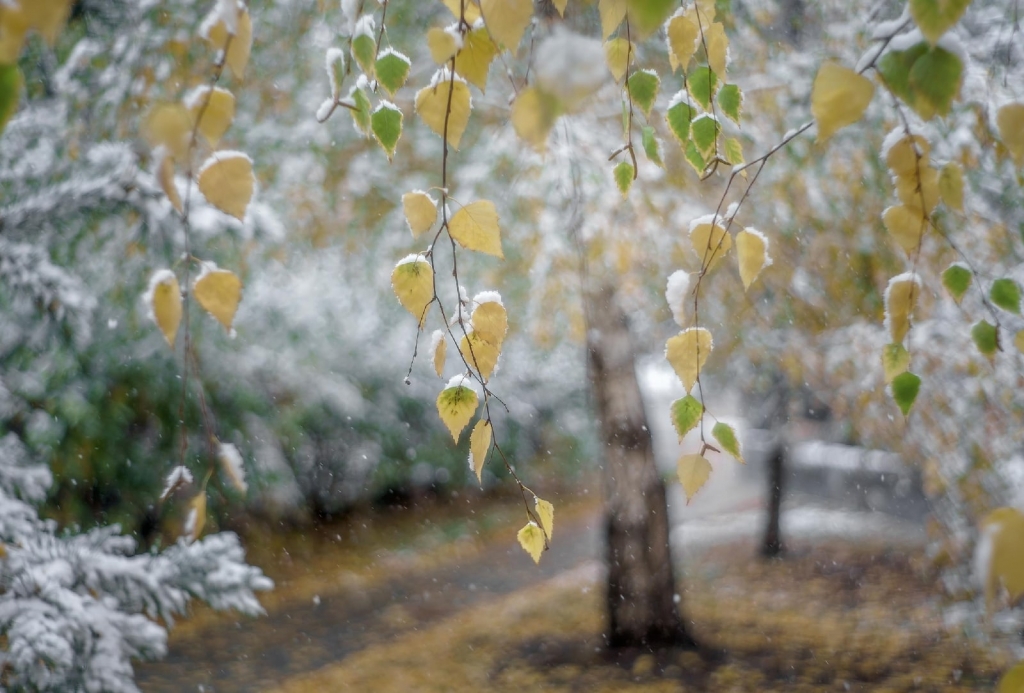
(900, 296)
(456, 405)
(237, 56)
(612, 13)
(1005, 293)
(919, 189)
(479, 445)
(386, 124)
(895, 360)
(679, 116)
(686, 413)
(413, 283)
(710, 242)
(703, 85)
(481, 354)
(11, 83)
(986, 337)
(218, 291)
(531, 538)
(704, 131)
(364, 46)
(907, 226)
(546, 515)
(957, 279)
(169, 125)
(507, 20)
(935, 17)
(643, 86)
(533, 115)
(164, 300)
(227, 182)
(618, 54)
(420, 211)
(693, 472)
(1010, 121)
(473, 61)
(231, 466)
(196, 518)
(438, 351)
(687, 352)
(951, 186)
(751, 254)
(839, 98)
(475, 227)
(391, 70)
(682, 32)
(624, 174)
(676, 295)
(218, 110)
(334, 61)
(432, 105)
(443, 43)
(490, 321)
(179, 477)
(905, 387)
(905, 153)
(726, 436)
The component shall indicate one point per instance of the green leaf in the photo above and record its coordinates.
(1005, 293)
(392, 70)
(643, 88)
(726, 436)
(895, 70)
(957, 279)
(733, 151)
(361, 113)
(623, 173)
(645, 16)
(702, 84)
(363, 49)
(730, 98)
(11, 82)
(935, 80)
(895, 360)
(905, 387)
(695, 158)
(456, 406)
(686, 413)
(652, 147)
(678, 118)
(986, 337)
(705, 133)
(386, 123)
(935, 17)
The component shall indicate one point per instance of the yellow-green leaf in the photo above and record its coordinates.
(710, 243)
(986, 337)
(907, 226)
(951, 186)
(687, 352)
(456, 405)
(391, 69)
(413, 283)
(726, 437)
(11, 84)
(1010, 121)
(218, 291)
(895, 360)
(546, 515)
(619, 53)
(612, 13)
(624, 173)
(935, 17)
(164, 299)
(432, 106)
(686, 413)
(218, 110)
(693, 471)
(420, 211)
(905, 387)
(643, 86)
(386, 124)
(839, 98)
(900, 296)
(475, 227)
(479, 445)
(531, 538)
(752, 254)
(507, 20)
(957, 279)
(227, 183)
(473, 61)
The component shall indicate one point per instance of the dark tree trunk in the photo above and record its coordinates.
(642, 608)
(772, 545)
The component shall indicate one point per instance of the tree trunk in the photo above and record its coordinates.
(772, 545)
(642, 605)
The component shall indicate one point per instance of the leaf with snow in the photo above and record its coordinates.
(693, 472)
(839, 98)
(905, 387)
(895, 360)
(227, 182)
(1010, 122)
(490, 320)
(546, 515)
(238, 50)
(726, 437)
(334, 61)
(906, 225)
(473, 61)
(179, 477)
(986, 337)
(919, 189)
(438, 351)
(676, 295)
(475, 227)
(905, 154)
(364, 46)
(900, 296)
(420, 211)
(686, 413)
(507, 20)
(164, 300)
(704, 134)
(687, 352)
(643, 86)
(432, 106)
(679, 116)
(531, 538)
(456, 404)
(711, 242)
(443, 43)
(693, 157)
(391, 70)
(169, 125)
(218, 291)
(751, 254)
(957, 279)
(479, 445)
(386, 124)
(624, 173)
(480, 354)
(682, 33)
(1005, 293)
(196, 518)
(413, 283)
(217, 107)
(231, 466)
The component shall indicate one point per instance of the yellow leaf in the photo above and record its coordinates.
(687, 352)
(752, 254)
(907, 226)
(456, 404)
(619, 53)
(900, 296)
(531, 538)
(718, 48)
(1018, 341)
(895, 360)
(489, 319)
(612, 13)
(560, 5)
(475, 227)
(839, 98)
(1010, 121)
(14, 25)
(463, 7)
(1004, 528)
(507, 20)
(230, 461)
(439, 351)
(169, 125)
(420, 211)
(474, 60)
(442, 44)
(1013, 680)
(237, 56)
(706, 8)
(46, 16)
(218, 292)
(913, 191)
(432, 105)
(479, 445)
(683, 33)
(218, 109)
(546, 515)
(693, 471)
(902, 158)
(196, 518)
(533, 115)
(165, 175)
(710, 243)
(480, 354)
(164, 299)
(413, 283)
(951, 186)
(226, 181)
